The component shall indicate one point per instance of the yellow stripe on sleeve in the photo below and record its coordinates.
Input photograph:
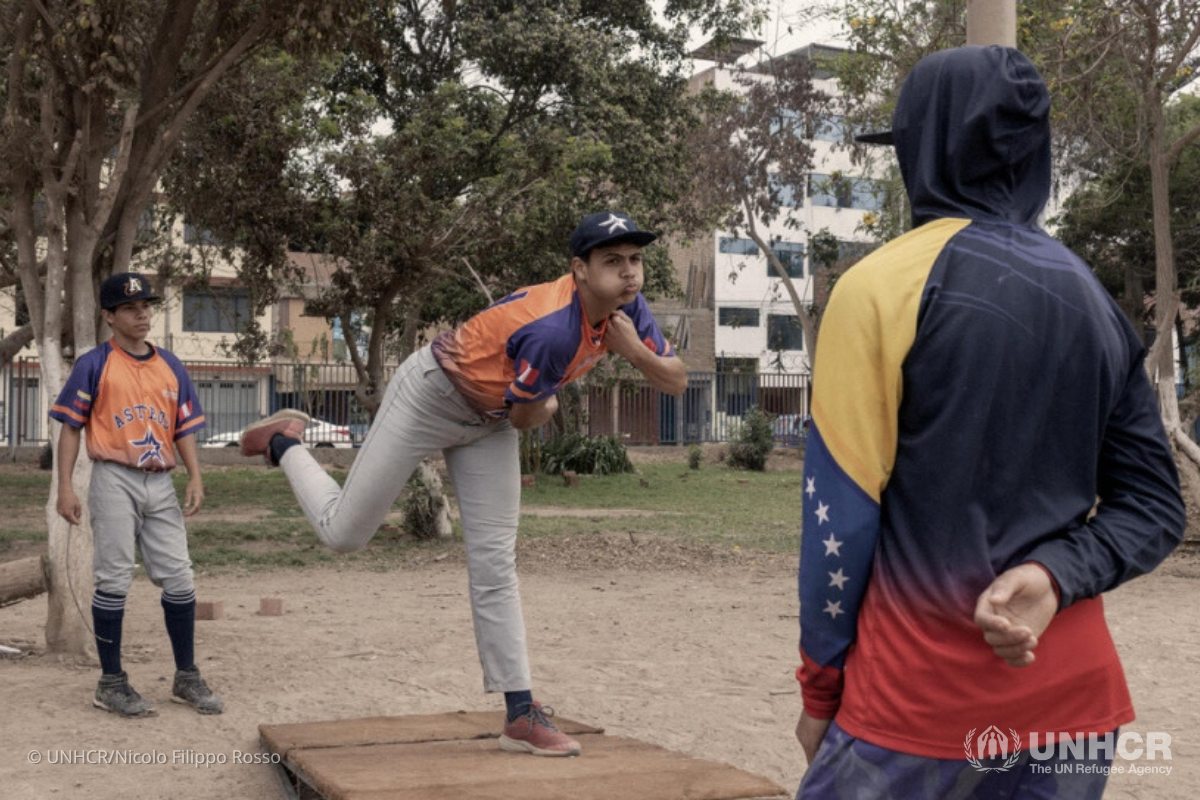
(866, 332)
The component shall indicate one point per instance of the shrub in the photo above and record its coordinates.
(587, 455)
(695, 456)
(753, 441)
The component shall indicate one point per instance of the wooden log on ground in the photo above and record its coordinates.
(25, 577)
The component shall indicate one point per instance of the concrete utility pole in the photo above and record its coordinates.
(992, 22)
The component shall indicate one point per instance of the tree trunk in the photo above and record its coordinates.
(428, 512)
(70, 589)
(1161, 361)
(14, 342)
(808, 322)
(1189, 477)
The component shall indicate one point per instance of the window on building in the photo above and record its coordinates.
(146, 230)
(829, 128)
(791, 255)
(847, 253)
(866, 194)
(787, 119)
(841, 192)
(738, 317)
(216, 310)
(738, 247)
(784, 332)
(822, 190)
(789, 195)
(200, 236)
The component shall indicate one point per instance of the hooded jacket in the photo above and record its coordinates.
(978, 402)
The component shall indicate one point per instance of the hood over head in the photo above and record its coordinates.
(972, 135)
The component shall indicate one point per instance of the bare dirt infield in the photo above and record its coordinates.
(678, 645)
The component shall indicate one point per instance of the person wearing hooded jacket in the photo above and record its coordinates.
(985, 459)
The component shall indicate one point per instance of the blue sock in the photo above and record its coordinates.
(279, 445)
(179, 613)
(518, 703)
(108, 611)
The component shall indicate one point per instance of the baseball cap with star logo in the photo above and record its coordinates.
(125, 287)
(607, 228)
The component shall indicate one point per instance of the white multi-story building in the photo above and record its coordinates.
(730, 286)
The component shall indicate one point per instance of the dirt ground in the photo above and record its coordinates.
(679, 645)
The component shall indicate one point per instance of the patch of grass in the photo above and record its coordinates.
(759, 510)
(23, 521)
(251, 520)
(262, 489)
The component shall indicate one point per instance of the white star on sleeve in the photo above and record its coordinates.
(833, 609)
(822, 513)
(832, 546)
(810, 486)
(838, 578)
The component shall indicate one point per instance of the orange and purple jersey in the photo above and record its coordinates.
(133, 408)
(527, 346)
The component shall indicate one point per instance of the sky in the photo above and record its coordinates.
(781, 34)
(780, 40)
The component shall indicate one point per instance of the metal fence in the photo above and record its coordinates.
(710, 409)
(233, 396)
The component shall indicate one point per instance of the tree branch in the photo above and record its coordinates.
(13, 343)
(479, 281)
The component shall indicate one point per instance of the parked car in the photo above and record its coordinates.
(319, 433)
(790, 429)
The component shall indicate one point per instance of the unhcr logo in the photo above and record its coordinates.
(992, 745)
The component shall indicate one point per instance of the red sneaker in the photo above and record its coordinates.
(256, 438)
(535, 733)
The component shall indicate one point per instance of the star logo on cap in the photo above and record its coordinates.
(615, 223)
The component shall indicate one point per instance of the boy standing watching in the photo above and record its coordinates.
(140, 410)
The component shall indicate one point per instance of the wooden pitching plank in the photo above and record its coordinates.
(452, 756)
(411, 729)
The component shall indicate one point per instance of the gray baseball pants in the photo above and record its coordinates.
(421, 414)
(135, 509)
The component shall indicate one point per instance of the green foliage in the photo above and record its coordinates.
(504, 123)
(587, 455)
(1106, 223)
(753, 441)
(695, 456)
(886, 39)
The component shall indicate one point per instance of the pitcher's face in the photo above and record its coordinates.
(612, 275)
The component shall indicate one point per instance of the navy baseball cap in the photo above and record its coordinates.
(606, 228)
(125, 287)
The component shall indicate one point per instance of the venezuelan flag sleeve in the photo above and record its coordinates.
(866, 332)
